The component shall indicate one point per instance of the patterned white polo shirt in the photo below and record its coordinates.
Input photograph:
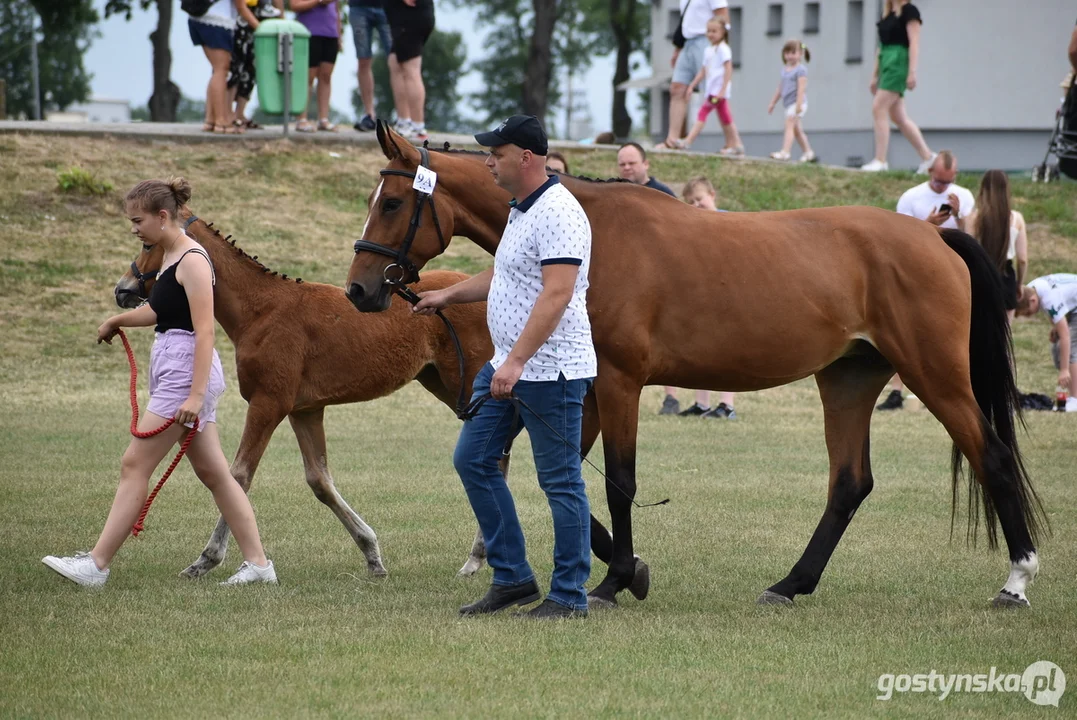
(546, 228)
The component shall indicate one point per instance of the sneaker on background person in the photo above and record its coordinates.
(670, 406)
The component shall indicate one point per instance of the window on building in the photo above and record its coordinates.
(854, 33)
(774, 19)
(671, 27)
(735, 34)
(811, 18)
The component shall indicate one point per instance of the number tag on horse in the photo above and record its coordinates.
(425, 180)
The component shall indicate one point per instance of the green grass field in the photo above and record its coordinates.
(898, 596)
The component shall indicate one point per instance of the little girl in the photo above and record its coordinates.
(718, 71)
(793, 91)
(186, 381)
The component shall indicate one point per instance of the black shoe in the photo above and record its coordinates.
(499, 597)
(549, 610)
(721, 412)
(695, 409)
(670, 406)
(893, 401)
(366, 124)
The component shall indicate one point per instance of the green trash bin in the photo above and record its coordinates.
(269, 49)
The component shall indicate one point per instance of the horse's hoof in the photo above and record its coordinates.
(641, 581)
(597, 603)
(1009, 600)
(377, 570)
(772, 598)
(471, 567)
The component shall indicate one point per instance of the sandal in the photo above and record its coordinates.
(668, 144)
(240, 126)
(305, 126)
(207, 127)
(326, 126)
(781, 155)
(731, 152)
(252, 125)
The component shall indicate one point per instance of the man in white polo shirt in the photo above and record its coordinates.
(536, 295)
(688, 57)
(943, 203)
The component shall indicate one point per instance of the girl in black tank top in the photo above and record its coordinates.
(169, 300)
(185, 384)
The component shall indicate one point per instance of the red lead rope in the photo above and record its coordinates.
(138, 527)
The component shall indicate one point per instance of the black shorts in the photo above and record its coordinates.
(410, 27)
(1009, 285)
(323, 50)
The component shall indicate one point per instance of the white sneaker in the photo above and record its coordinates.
(250, 573)
(403, 127)
(1071, 404)
(923, 167)
(79, 569)
(875, 166)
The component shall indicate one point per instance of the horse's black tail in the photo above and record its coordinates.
(995, 389)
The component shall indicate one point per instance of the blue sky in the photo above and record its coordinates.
(121, 63)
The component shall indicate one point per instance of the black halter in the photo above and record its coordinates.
(403, 269)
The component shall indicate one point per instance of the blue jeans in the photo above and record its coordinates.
(364, 21)
(482, 439)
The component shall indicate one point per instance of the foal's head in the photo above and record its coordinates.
(135, 284)
(390, 249)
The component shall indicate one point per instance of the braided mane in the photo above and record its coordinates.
(253, 258)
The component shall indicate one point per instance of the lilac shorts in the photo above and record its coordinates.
(171, 371)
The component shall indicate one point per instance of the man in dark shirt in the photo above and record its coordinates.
(633, 166)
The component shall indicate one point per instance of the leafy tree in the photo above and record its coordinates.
(443, 64)
(65, 33)
(164, 103)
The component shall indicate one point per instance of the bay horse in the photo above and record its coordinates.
(850, 295)
(300, 346)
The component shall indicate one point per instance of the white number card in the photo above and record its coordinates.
(425, 180)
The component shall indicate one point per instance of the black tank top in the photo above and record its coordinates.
(169, 300)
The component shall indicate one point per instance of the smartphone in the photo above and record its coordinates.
(945, 207)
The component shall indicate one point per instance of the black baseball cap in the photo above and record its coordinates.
(524, 131)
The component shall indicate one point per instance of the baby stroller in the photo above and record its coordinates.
(1063, 144)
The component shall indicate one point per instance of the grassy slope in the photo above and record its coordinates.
(896, 596)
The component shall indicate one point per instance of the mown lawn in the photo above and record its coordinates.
(898, 596)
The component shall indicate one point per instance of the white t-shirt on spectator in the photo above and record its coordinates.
(549, 227)
(696, 15)
(921, 201)
(714, 59)
(1058, 294)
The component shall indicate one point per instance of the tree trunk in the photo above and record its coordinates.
(166, 95)
(622, 22)
(540, 60)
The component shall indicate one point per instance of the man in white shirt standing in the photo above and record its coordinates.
(943, 203)
(536, 295)
(688, 59)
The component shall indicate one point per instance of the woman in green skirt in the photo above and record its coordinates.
(895, 72)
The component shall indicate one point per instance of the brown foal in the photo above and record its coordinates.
(849, 295)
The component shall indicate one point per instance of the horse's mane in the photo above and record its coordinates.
(227, 239)
(460, 151)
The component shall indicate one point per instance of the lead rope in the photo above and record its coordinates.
(138, 526)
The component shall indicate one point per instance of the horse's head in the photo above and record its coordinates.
(135, 285)
(405, 226)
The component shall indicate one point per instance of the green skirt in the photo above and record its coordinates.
(893, 68)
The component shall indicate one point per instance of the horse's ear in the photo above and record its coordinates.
(396, 146)
(382, 131)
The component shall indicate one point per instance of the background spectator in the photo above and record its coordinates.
(213, 32)
(793, 92)
(940, 202)
(633, 165)
(1057, 296)
(411, 22)
(322, 18)
(699, 192)
(690, 40)
(895, 72)
(241, 74)
(717, 70)
(1001, 231)
(367, 17)
(556, 161)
